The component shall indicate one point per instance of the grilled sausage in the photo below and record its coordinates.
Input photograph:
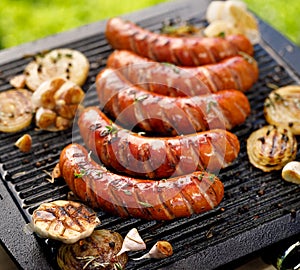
(133, 106)
(236, 72)
(158, 157)
(129, 197)
(182, 51)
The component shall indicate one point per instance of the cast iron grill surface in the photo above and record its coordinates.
(252, 197)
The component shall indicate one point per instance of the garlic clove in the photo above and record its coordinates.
(161, 250)
(291, 172)
(132, 242)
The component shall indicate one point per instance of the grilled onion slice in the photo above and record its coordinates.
(67, 63)
(99, 251)
(282, 108)
(271, 147)
(15, 110)
(66, 221)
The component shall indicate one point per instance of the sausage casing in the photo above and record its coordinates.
(133, 106)
(155, 157)
(129, 197)
(237, 72)
(182, 51)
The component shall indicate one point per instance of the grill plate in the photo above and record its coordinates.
(256, 207)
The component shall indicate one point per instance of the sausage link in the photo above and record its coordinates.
(155, 157)
(236, 72)
(182, 51)
(132, 106)
(129, 197)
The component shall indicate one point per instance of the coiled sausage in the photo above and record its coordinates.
(182, 51)
(129, 197)
(133, 106)
(155, 157)
(237, 72)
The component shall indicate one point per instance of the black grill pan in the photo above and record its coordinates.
(258, 209)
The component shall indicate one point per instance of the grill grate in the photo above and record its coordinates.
(251, 196)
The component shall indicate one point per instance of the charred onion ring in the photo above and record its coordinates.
(282, 108)
(271, 147)
(15, 110)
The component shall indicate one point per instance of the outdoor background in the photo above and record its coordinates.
(26, 20)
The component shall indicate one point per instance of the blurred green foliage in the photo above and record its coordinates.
(282, 15)
(26, 20)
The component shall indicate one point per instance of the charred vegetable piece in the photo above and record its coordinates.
(161, 250)
(66, 221)
(24, 143)
(56, 102)
(291, 172)
(66, 63)
(15, 110)
(282, 107)
(98, 251)
(271, 147)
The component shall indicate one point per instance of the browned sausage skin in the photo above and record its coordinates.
(238, 72)
(182, 51)
(133, 106)
(155, 157)
(129, 197)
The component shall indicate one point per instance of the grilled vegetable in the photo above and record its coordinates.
(132, 242)
(271, 147)
(24, 143)
(66, 221)
(282, 107)
(291, 172)
(56, 102)
(15, 110)
(66, 63)
(161, 250)
(98, 251)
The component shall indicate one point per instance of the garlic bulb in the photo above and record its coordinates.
(271, 147)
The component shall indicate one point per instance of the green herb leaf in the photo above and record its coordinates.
(210, 104)
(140, 98)
(173, 67)
(145, 204)
(118, 266)
(221, 35)
(80, 175)
(127, 192)
(111, 129)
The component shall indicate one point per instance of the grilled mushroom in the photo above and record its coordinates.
(271, 147)
(66, 221)
(98, 251)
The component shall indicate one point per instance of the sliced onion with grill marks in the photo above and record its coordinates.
(66, 221)
(282, 108)
(98, 251)
(66, 63)
(271, 147)
(15, 110)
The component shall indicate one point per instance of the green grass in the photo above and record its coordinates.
(282, 15)
(26, 20)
